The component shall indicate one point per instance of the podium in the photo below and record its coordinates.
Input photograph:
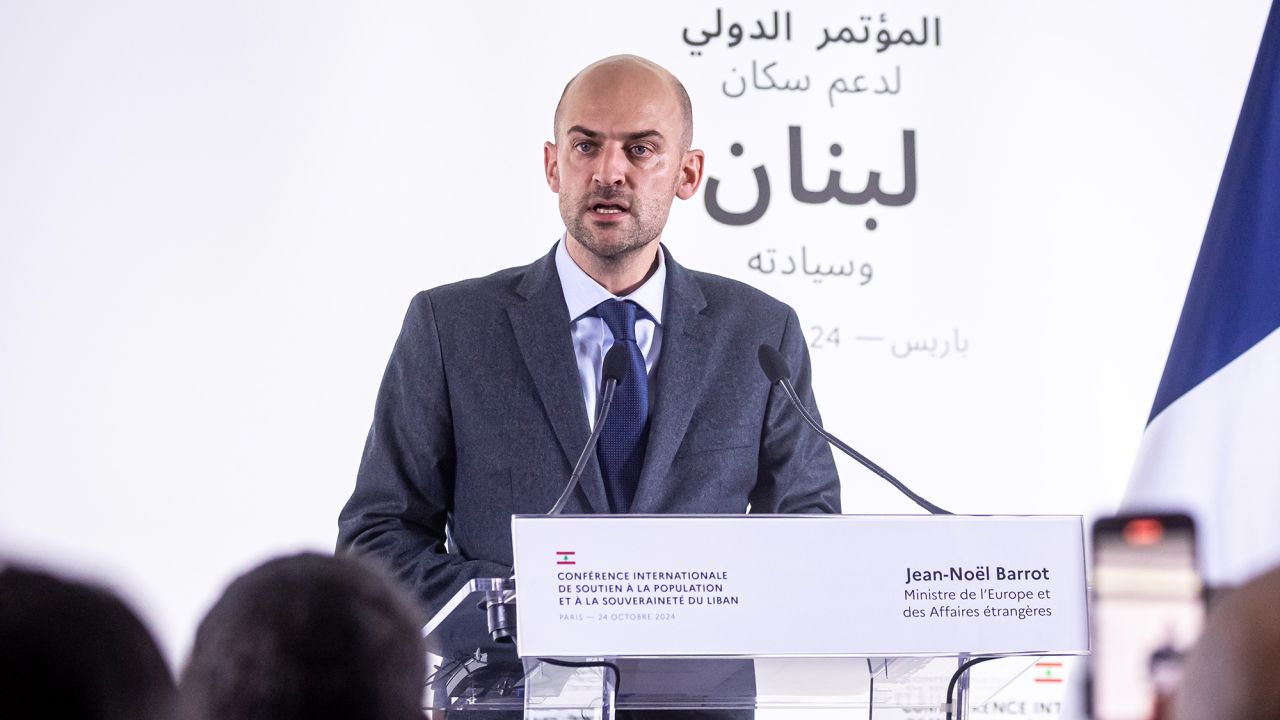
(742, 613)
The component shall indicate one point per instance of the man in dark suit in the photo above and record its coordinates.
(490, 392)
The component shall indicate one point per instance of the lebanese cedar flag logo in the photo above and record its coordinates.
(565, 557)
(1048, 672)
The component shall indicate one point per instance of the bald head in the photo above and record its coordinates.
(621, 73)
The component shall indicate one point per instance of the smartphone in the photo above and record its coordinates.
(1148, 610)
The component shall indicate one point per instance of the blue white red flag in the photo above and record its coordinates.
(1212, 444)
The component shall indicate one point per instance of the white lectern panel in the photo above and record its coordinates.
(792, 585)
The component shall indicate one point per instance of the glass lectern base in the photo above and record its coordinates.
(499, 685)
(476, 678)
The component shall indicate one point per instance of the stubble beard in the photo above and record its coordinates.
(612, 245)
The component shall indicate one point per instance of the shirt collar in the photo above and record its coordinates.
(582, 293)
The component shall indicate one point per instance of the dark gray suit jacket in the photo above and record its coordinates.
(480, 416)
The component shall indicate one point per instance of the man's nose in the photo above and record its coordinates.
(612, 167)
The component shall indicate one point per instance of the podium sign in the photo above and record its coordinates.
(799, 585)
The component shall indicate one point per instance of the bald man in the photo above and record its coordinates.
(490, 393)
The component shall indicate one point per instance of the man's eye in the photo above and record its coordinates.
(583, 146)
(640, 151)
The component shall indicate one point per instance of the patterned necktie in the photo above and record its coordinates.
(626, 430)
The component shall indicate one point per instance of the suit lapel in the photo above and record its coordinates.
(678, 377)
(541, 325)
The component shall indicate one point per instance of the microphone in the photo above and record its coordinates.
(775, 368)
(613, 371)
(500, 608)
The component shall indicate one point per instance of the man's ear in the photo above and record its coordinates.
(551, 166)
(690, 174)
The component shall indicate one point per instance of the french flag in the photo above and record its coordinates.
(1212, 443)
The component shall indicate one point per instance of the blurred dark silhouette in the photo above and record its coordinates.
(75, 651)
(1232, 672)
(307, 637)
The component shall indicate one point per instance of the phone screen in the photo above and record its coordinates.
(1148, 609)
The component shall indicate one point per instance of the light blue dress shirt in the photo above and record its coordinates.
(591, 337)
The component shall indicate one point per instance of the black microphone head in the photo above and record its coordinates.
(774, 366)
(616, 364)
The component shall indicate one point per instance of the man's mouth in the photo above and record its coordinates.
(608, 209)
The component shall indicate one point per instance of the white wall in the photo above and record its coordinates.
(212, 216)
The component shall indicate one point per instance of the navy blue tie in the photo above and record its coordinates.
(626, 430)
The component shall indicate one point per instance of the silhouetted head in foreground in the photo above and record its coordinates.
(71, 650)
(307, 637)
(1234, 670)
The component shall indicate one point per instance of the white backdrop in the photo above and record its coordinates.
(212, 216)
